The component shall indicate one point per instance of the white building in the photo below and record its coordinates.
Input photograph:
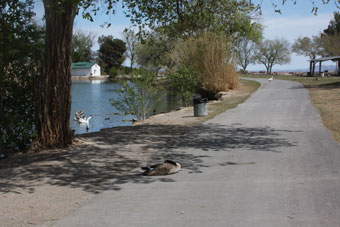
(85, 69)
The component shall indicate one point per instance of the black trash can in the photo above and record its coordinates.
(200, 107)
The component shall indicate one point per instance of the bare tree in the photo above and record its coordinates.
(245, 53)
(131, 40)
(273, 52)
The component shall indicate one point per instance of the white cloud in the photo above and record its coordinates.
(294, 27)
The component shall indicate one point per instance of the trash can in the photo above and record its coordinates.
(200, 107)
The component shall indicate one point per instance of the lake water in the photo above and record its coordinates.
(93, 97)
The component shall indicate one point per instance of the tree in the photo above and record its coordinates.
(151, 52)
(82, 43)
(330, 38)
(111, 52)
(131, 40)
(245, 53)
(184, 82)
(273, 52)
(306, 46)
(331, 44)
(193, 17)
(21, 45)
(53, 99)
(334, 25)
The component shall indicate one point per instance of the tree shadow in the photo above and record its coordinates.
(106, 159)
(327, 86)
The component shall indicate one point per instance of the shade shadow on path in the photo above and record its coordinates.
(106, 163)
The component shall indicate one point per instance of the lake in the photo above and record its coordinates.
(93, 97)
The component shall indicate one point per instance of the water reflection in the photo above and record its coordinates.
(93, 97)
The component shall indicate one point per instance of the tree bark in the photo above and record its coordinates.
(53, 101)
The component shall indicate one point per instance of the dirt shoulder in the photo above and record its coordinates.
(39, 189)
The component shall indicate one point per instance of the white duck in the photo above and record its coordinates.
(84, 120)
(270, 79)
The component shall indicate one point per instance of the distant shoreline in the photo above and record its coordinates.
(105, 77)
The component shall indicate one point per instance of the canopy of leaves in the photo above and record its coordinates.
(330, 38)
(151, 52)
(334, 25)
(111, 52)
(184, 82)
(310, 47)
(21, 44)
(192, 17)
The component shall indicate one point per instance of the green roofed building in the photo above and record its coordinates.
(85, 69)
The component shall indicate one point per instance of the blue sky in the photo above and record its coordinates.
(294, 21)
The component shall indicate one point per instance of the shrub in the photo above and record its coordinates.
(138, 96)
(21, 45)
(114, 72)
(184, 82)
(210, 55)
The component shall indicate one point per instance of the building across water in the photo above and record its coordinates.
(86, 69)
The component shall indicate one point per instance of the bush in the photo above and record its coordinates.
(114, 72)
(210, 55)
(21, 45)
(138, 96)
(184, 82)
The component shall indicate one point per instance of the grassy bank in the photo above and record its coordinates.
(325, 95)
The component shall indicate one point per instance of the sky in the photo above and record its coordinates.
(295, 20)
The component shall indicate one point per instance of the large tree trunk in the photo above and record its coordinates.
(54, 84)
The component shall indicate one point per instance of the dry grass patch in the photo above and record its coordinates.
(327, 100)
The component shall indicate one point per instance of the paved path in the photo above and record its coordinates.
(287, 172)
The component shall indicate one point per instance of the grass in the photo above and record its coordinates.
(241, 94)
(325, 95)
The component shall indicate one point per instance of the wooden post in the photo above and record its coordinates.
(320, 68)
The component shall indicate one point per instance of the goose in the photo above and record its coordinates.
(84, 120)
(270, 79)
(166, 168)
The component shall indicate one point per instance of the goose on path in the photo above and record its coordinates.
(166, 168)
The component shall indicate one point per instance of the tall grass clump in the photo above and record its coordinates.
(210, 54)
